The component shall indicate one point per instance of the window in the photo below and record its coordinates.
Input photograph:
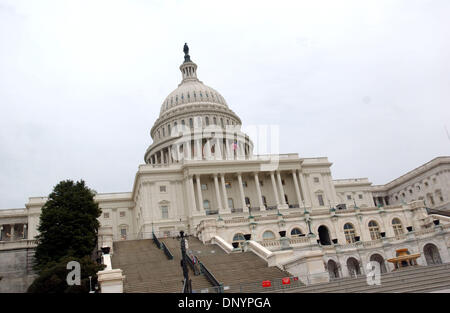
(426, 184)
(123, 233)
(239, 237)
(410, 191)
(221, 121)
(230, 203)
(268, 235)
(206, 204)
(418, 187)
(228, 185)
(320, 198)
(244, 184)
(207, 121)
(122, 213)
(182, 122)
(374, 230)
(283, 182)
(349, 232)
(261, 183)
(247, 200)
(105, 215)
(396, 197)
(360, 196)
(204, 187)
(349, 197)
(165, 212)
(164, 132)
(168, 129)
(162, 188)
(214, 120)
(191, 123)
(316, 179)
(397, 226)
(296, 232)
(264, 201)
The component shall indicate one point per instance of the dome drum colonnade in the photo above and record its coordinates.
(195, 123)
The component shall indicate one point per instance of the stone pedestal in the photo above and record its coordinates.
(284, 243)
(111, 281)
(309, 267)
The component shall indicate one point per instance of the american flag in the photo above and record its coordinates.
(235, 145)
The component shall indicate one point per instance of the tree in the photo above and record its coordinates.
(53, 278)
(68, 224)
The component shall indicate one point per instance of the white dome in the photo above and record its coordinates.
(191, 91)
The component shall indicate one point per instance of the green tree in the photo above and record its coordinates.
(68, 224)
(53, 278)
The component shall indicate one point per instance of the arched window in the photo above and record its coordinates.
(191, 123)
(296, 232)
(206, 204)
(168, 129)
(349, 232)
(397, 226)
(221, 121)
(207, 121)
(374, 230)
(214, 120)
(238, 237)
(268, 235)
(230, 203)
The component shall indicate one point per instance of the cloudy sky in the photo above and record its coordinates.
(365, 83)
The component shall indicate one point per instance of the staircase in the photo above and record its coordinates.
(239, 272)
(415, 279)
(147, 269)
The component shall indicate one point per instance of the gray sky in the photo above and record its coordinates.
(365, 83)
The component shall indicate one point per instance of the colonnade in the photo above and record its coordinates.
(201, 149)
(222, 206)
(11, 232)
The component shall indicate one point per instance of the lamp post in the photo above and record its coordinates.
(188, 288)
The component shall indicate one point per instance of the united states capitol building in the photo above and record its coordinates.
(201, 175)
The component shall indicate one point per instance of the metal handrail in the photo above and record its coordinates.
(211, 277)
(156, 241)
(167, 251)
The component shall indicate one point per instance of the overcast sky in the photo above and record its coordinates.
(365, 83)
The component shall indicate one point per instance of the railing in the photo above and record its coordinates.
(211, 212)
(271, 207)
(237, 210)
(167, 251)
(156, 241)
(293, 206)
(254, 209)
(18, 244)
(211, 278)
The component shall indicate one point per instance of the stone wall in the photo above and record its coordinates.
(16, 270)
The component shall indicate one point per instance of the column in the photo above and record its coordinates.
(258, 192)
(280, 185)
(224, 192)
(216, 185)
(275, 192)
(12, 231)
(305, 188)
(199, 192)
(162, 156)
(25, 231)
(218, 149)
(208, 149)
(199, 152)
(241, 190)
(297, 190)
(192, 193)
